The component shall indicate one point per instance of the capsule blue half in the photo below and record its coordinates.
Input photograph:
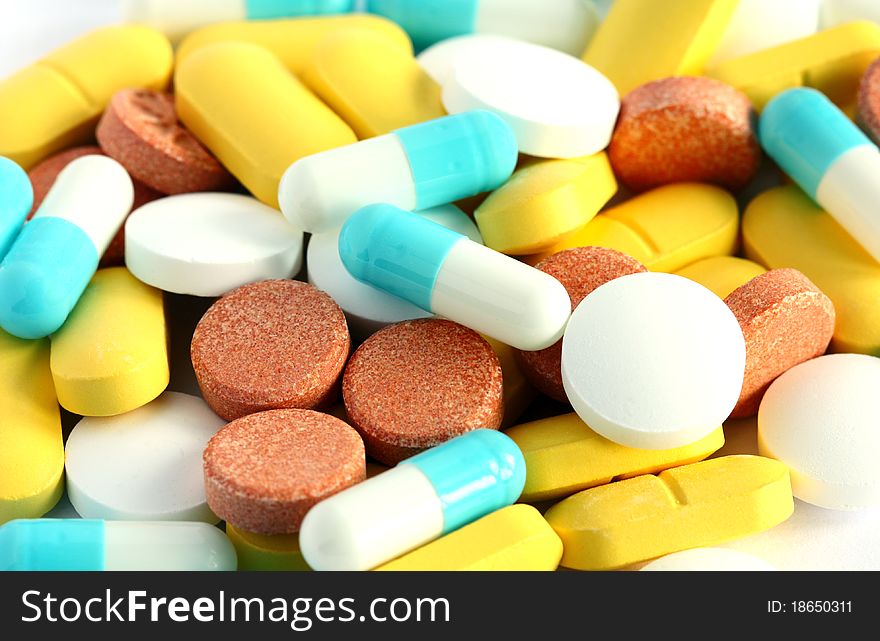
(16, 200)
(429, 21)
(267, 9)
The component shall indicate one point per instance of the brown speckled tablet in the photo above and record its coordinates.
(785, 320)
(420, 383)
(685, 129)
(43, 177)
(263, 472)
(140, 129)
(580, 270)
(869, 101)
(270, 345)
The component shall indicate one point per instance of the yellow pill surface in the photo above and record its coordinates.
(257, 118)
(696, 505)
(273, 553)
(56, 102)
(564, 455)
(543, 201)
(831, 61)
(644, 40)
(513, 538)
(31, 446)
(292, 41)
(111, 355)
(722, 274)
(517, 392)
(373, 83)
(784, 228)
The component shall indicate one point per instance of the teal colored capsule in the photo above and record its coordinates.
(16, 200)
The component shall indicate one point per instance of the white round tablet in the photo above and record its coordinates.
(143, 465)
(557, 105)
(653, 361)
(708, 559)
(366, 308)
(820, 418)
(207, 244)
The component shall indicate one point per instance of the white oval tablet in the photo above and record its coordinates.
(653, 361)
(366, 308)
(143, 465)
(557, 105)
(207, 244)
(708, 559)
(822, 419)
(442, 59)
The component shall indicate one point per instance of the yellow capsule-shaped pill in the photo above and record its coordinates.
(111, 355)
(514, 538)
(277, 552)
(722, 274)
(543, 202)
(697, 505)
(55, 103)
(784, 228)
(257, 118)
(832, 61)
(564, 455)
(31, 446)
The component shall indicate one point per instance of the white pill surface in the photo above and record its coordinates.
(207, 244)
(366, 308)
(442, 59)
(708, 559)
(557, 105)
(820, 418)
(143, 465)
(653, 361)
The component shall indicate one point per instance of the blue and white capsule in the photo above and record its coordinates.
(176, 19)
(828, 157)
(424, 497)
(57, 252)
(16, 199)
(448, 274)
(89, 545)
(415, 168)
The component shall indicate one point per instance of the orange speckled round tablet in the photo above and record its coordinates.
(785, 320)
(420, 383)
(270, 345)
(141, 131)
(869, 101)
(580, 270)
(685, 129)
(263, 472)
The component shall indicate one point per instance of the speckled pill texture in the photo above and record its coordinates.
(580, 270)
(419, 383)
(263, 472)
(869, 101)
(275, 344)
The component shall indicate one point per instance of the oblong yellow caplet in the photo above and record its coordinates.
(832, 61)
(272, 553)
(241, 102)
(564, 455)
(544, 201)
(56, 102)
(644, 40)
(373, 83)
(665, 229)
(111, 355)
(722, 274)
(514, 538)
(697, 505)
(293, 41)
(784, 228)
(31, 445)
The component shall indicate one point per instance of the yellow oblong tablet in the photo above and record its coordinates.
(784, 228)
(832, 61)
(241, 102)
(111, 355)
(31, 446)
(543, 201)
(697, 505)
(292, 41)
(56, 102)
(722, 274)
(272, 553)
(564, 455)
(515, 538)
(372, 83)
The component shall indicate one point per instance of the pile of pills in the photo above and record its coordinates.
(480, 285)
